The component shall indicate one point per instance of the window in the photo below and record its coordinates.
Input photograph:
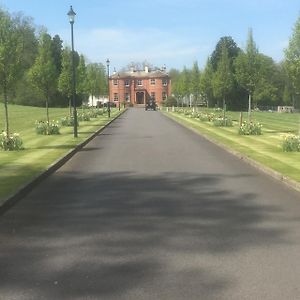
(139, 82)
(116, 97)
(164, 82)
(127, 82)
(127, 97)
(153, 95)
(164, 96)
(152, 81)
(115, 82)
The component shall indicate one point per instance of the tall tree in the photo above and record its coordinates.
(43, 74)
(10, 58)
(57, 52)
(292, 59)
(206, 83)
(195, 82)
(81, 78)
(223, 78)
(247, 68)
(93, 77)
(65, 77)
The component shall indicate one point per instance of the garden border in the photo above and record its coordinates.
(26, 188)
(274, 174)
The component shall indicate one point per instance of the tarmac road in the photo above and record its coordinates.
(150, 210)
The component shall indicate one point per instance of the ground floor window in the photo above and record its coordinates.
(164, 96)
(152, 95)
(127, 97)
(116, 97)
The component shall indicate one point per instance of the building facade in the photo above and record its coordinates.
(137, 87)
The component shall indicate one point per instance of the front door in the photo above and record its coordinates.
(140, 98)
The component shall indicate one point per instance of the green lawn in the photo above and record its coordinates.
(265, 149)
(19, 167)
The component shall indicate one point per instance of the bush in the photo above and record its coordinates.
(46, 128)
(10, 142)
(291, 143)
(251, 128)
(67, 121)
(222, 122)
(84, 117)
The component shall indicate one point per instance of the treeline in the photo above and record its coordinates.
(240, 79)
(35, 68)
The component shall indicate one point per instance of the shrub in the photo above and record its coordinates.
(250, 128)
(68, 121)
(222, 122)
(10, 142)
(84, 117)
(46, 128)
(291, 143)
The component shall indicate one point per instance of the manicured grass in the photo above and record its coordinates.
(19, 167)
(265, 149)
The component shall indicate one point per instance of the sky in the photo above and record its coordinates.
(175, 33)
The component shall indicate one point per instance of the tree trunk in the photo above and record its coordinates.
(249, 108)
(70, 109)
(224, 110)
(6, 109)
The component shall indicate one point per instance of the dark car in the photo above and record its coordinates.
(150, 105)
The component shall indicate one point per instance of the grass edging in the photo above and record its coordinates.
(274, 174)
(26, 188)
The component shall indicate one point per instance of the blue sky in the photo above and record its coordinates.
(171, 32)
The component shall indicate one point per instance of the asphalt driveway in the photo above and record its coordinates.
(150, 210)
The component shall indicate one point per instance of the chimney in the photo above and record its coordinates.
(146, 69)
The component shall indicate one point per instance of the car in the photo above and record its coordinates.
(150, 105)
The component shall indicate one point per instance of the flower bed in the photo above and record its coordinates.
(10, 142)
(291, 143)
(250, 128)
(46, 128)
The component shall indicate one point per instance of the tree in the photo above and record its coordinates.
(10, 58)
(247, 68)
(81, 77)
(65, 77)
(57, 52)
(195, 82)
(232, 49)
(292, 59)
(43, 74)
(223, 78)
(206, 79)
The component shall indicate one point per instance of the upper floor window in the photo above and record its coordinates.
(164, 82)
(152, 81)
(126, 82)
(115, 82)
(139, 82)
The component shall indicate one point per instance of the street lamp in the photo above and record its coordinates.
(72, 15)
(108, 103)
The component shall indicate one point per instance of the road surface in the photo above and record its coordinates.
(150, 210)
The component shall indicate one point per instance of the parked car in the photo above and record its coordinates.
(150, 105)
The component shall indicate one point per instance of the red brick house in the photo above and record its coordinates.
(137, 87)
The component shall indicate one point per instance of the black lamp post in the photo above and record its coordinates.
(72, 15)
(108, 103)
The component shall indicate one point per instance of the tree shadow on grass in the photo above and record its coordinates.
(124, 236)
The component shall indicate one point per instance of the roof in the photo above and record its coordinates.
(140, 74)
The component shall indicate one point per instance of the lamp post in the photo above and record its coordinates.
(108, 103)
(72, 15)
(119, 104)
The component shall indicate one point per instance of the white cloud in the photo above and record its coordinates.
(123, 45)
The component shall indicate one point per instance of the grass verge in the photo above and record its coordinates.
(265, 149)
(19, 167)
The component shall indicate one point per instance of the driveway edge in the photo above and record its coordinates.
(26, 188)
(274, 174)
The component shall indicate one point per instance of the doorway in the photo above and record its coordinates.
(140, 98)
